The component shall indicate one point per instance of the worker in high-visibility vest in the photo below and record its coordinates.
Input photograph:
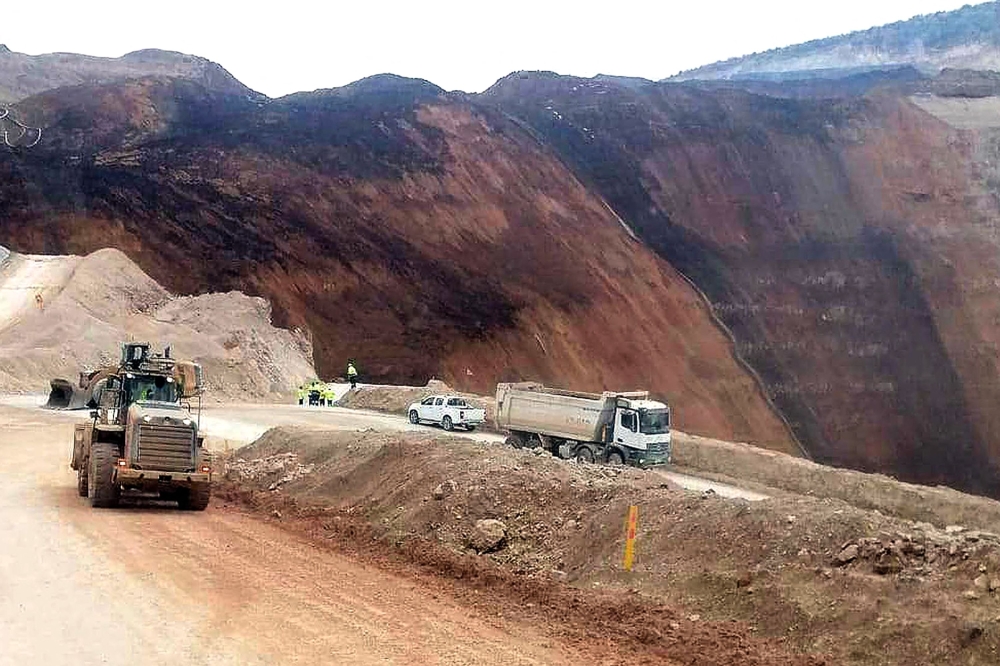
(329, 395)
(352, 374)
(302, 393)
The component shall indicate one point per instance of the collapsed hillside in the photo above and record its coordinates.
(575, 231)
(848, 243)
(408, 229)
(60, 315)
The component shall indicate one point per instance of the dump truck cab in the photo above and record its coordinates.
(641, 431)
(144, 436)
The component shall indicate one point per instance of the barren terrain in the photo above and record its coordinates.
(60, 315)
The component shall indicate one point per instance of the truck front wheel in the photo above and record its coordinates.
(414, 417)
(616, 458)
(81, 480)
(101, 489)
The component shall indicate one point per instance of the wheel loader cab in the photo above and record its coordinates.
(150, 388)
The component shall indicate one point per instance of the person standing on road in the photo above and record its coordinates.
(352, 374)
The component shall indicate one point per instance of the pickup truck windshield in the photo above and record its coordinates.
(654, 422)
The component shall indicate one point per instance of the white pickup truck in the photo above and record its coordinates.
(448, 411)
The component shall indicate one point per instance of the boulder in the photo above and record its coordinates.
(442, 490)
(489, 535)
(848, 554)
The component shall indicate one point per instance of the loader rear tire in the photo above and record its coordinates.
(101, 490)
(195, 498)
(81, 481)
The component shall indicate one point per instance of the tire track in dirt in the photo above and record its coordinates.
(90, 586)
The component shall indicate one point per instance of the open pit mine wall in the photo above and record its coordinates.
(415, 231)
(848, 245)
(851, 246)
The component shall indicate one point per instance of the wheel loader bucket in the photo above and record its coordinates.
(64, 395)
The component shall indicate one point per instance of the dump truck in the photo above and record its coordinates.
(610, 427)
(143, 435)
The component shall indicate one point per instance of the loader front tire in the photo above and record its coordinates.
(195, 498)
(81, 480)
(101, 489)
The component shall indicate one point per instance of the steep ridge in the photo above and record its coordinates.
(23, 75)
(849, 244)
(967, 38)
(415, 231)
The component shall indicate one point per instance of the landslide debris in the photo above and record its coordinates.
(825, 577)
(61, 315)
(418, 232)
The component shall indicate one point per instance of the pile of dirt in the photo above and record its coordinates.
(820, 575)
(396, 399)
(62, 315)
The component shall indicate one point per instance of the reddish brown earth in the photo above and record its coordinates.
(408, 229)
(849, 243)
(845, 236)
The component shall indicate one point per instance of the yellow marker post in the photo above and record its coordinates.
(633, 521)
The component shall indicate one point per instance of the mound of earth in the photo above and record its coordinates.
(60, 315)
(824, 577)
(396, 399)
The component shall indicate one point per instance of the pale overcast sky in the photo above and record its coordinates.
(288, 46)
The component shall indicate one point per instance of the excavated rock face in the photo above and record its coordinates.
(419, 233)
(536, 232)
(848, 243)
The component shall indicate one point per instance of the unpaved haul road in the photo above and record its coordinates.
(155, 585)
(232, 426)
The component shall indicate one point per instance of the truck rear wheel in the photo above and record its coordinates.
(585, 454)
(515, 441)
(195, 498)
(101, 489)
(447, 424)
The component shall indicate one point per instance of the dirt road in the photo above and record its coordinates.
(235, 425)
(153, 584)
(231, 426)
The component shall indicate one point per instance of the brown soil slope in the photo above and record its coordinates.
(404, 227)
(849, 244)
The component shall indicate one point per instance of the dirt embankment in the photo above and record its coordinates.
(816, 575)
(396, 399)
(60, 315)
(939, 505)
